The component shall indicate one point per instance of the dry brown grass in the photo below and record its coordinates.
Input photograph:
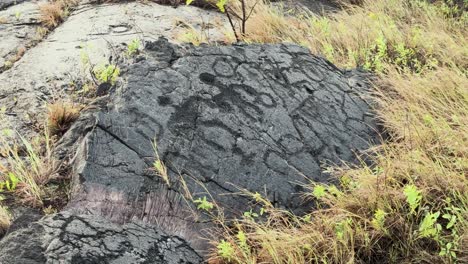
(60, 116)
(418, 50)
(31, 165)
(52, 14)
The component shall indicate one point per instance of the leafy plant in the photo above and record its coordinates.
(342, 228)
(107, 74)
(250, 214)
(10, 183)
(319, 191)
(378, 222)
(133, 47)
(428, 226)
(204, 204)
(413, 196)
(242, 238)
(225, 250)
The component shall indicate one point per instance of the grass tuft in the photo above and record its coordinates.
(60, 116)
(54, 12)
(29, 166)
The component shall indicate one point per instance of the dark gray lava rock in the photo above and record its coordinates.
(67, 238)
(258, 117)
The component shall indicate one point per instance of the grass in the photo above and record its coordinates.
(411, 205)
(54, 12)
(60, 116)
(29, 168)
(158, 165)
(29, 172)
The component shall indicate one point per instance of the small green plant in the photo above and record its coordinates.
(250, 214)
(8, 64)
(342, 228)
(413, 196)
(18, 15)
(204, 204)
(378, 221)
(242, 238)
(133, 47)
(107, 74)
(225, 250)
(429, 226)
(34, 167)
(10, 183)
(377, 54)
(319, 191)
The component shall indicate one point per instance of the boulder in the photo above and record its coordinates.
(263, 118)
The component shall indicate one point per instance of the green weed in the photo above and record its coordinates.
(133, 47)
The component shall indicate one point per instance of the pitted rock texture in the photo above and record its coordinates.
(7, 3)
(257, 117)
(19, 22)
(68, 238)
(47, 70)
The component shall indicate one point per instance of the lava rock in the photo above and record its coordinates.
(68, 238)
(264, 118)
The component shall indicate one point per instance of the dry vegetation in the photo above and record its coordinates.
(29, 172)
(61, 116)
(54, 12)
(411, 206)
(28, 168)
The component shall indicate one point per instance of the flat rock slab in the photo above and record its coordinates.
(47, 70)
(67, 238)
(18, 29)
(257, 117)
(7, 3)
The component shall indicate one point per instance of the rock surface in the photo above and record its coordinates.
(265, 118)
(67, 238)
(258, 117)
(7, 3)
(47, 70)
(18, 29)
(314, 6)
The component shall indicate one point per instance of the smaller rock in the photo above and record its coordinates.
(70, 238)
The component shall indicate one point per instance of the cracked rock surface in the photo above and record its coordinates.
(259, 117)
(50, 67)
(265, 118)
(67, 238)
(19, 22)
